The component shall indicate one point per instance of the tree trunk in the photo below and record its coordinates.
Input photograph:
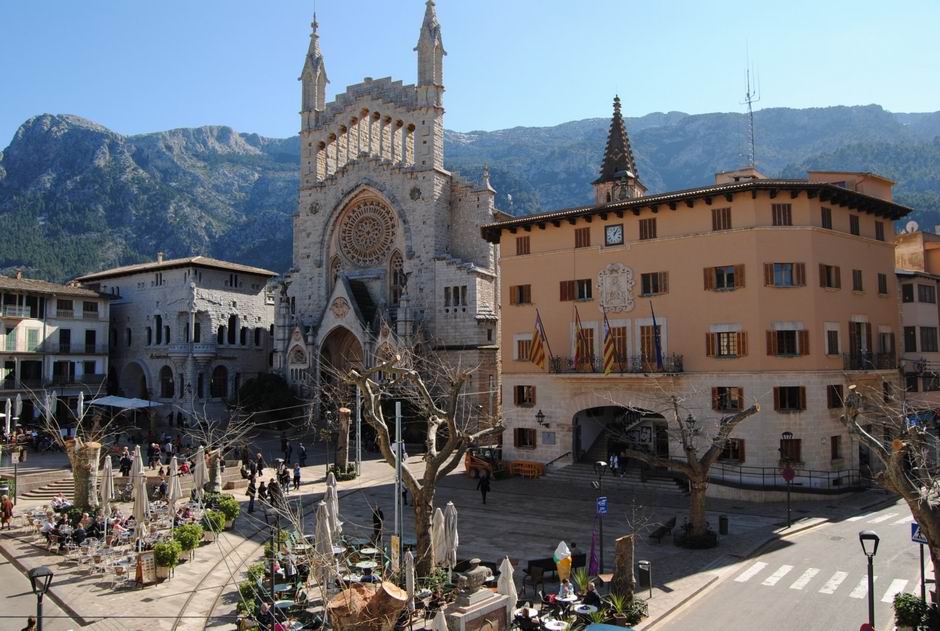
(424, 510)
(697, 507)
(84, 460)
(342, 443)
(624, 582)
(215, 479)
(929, 521)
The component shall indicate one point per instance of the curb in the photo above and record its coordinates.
(654, 621)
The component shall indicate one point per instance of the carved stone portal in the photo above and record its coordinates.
(297, 357)
(616, 287)
(340, 307)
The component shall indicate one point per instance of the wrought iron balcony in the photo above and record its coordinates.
(12, 311)
(74, 348)
(626, 364)
(198, 349)
(867, 360)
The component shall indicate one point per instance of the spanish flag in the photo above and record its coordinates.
(608, 347)
(537, 352)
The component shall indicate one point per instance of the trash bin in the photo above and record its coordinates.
(644, 577)
(722, 524)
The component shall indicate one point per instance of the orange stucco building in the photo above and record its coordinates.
(776, 291)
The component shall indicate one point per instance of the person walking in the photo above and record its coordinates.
(6, 512)
(288, 452)
(302, 454)
(30, 624)
(483, 484)
(259, 461)
(263, 491)
(296, 476)
(251, 491)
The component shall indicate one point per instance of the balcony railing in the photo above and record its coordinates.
(867, 360)
(74, 348)
(198, 349)
(771, 478)
(627, 364)
(12, 311)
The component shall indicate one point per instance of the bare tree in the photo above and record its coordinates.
(700, 451)
(219, 437)
(437, 393)
(900, 436)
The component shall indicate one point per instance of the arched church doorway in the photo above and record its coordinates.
(598, 432)
(339, 353)
(134, 382)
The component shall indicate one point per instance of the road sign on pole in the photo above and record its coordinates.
(602, 505)
(916, 535)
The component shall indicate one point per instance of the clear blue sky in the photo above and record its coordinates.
(138, 66)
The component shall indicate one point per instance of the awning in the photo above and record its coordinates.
(124, 403)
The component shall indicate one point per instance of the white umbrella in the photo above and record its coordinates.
(19, 406)
(49, 398)
(106, 492)
(450, 536)
(506, 586)
(438, 538)
(174, 492)
(323, 545)
(200, 475)
(330, 480)
(8, 416)
(81, 405)
(141, 510)
(137, 467)
(440, 622)
(332, 509)
(410, 579)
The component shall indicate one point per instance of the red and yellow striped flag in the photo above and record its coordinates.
(583, 353)
(537, 351)
(608, 347)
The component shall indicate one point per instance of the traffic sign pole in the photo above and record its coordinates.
(923, 581)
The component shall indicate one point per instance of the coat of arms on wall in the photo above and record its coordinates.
(616, 287)
(340, 307)
(297, 357)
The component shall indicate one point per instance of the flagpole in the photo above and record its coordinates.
(538, 318)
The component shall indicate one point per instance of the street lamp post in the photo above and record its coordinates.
(273, 518)
(600, 468)
(785, 456)
(40, 578)
(869, 540)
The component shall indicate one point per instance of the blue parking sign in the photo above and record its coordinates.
(602, 505)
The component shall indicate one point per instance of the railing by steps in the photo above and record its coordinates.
(771, 479)
(554, 460)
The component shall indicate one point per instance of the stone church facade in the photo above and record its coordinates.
(387, 252)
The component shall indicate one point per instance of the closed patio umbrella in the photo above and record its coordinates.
(81, 405)
(8, 418)
(450, 537)
(410, 579)
(506, 585)
(48, 403)
(332, 509)
(438, 538)
(217, 474)
(174, 492)
(200, 474)
(141, 510)
(106, 492)
(323, 546)
(440, 622)
(18, 407)
(330, 480)
(137, 467)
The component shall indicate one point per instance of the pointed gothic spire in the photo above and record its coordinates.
(313, 74)
(430, 49)
(618, 155)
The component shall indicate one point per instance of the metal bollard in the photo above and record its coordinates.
(645, 575)
(722, 524)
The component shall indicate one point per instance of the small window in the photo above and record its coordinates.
(566, 290)
(790, 450)
(927, 293)
(787, 343)
(829, 276)
(928, 339)
(907, 292)
(726, 344)
(910, 339)
(784, 274)
(826, 217)
(523, 438)
(648, 228)
(522, 246)
(733, 450)
(910, 382)
(857, 280)
(63, 308)
(724, 277)
(832, 342)
(721, 219)
(582, 237)
(727, 399)
(524, 396)
(584, 289)
(931, 382)
(853, 225)
(834, 397)
(654, 283)
(835, 447)
(880, 230)
(882, 284)
(90, 308)
(781, 215)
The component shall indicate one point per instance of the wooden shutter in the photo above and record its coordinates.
(739, 276)
(867, 327)
(526, 294)
(771, 342)
(822, 275)
(567, 290)
(741, 456)
(709, 345)
(803, 341)
(739, 397)
(802, 397)
(513, 298)
(799, 271)
(777, 399)
(709, 278)
(742, 343)
(664, 282)
(715, 399)
(838, 275)
(768, 274)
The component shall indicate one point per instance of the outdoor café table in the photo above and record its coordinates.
(338, 549)
(350, 578)
(570, 600)
(369, 551)
(555, 625)
(302, 547)
(585, 610)
(366, 565)
(282, 587)
(283, 604)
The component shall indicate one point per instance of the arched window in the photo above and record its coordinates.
(243, 336)
(158, 325)
(232, 328)
(396, 275)
(166, 333)
(258, 332)
(220, 336)
(129, 340)
(166, 382)
(197, 332)
(218, 385)
(336, 266)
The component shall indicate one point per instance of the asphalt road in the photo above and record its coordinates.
(813, 580)
(17, 602)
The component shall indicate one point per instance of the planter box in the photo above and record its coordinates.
(208, 536)
(164, 572)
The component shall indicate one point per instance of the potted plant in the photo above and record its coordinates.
(229, 507)
(909, 612)
(635, 611)
(580, 578)
(189, 536)
(167, 556)
(618, 609)
(213, 522)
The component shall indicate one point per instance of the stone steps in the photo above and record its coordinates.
(582, 474)
(50, 490)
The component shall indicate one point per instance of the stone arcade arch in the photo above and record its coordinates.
(133, 382)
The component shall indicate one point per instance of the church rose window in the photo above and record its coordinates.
(367, 233)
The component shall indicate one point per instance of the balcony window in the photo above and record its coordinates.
(520, 294)
(524, 396)
(789, 398)
(582, 237)
(910, 339)
(882, 284)
(880, 230)
(784, 274)
(648, 228)
(654, 283)
(727, 399)
(826, 218)
(733, 450)
(907, 292)
(64, 308)
(830, 276)
(927, 293)
(854, 227)
(928, 339)
(584, 289)
(781, 215)
(834, 397)
(90, 309)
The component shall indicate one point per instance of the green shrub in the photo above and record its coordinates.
(580, 578)
(247, 603)
(213, 521)
(168, 554)
(9, 482)
(188, 535)
(255, 572)
(343, 476)
(230, 507)
(75, 516)
(635, 611)
(210, 499)
(909, 610)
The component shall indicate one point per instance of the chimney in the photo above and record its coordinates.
(19, 274)
(160, 256)
(936, 228)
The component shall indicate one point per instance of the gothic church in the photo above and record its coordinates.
(387, 251)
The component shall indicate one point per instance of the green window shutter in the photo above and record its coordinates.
(32, 339)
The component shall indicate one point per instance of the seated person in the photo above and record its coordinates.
(85, 521)
(591, 597)
(79, 535)
(47, 528)
(565, 590)
(369, 577)
(59, 502)
(117, 528)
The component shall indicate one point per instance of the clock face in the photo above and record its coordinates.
(613, 235)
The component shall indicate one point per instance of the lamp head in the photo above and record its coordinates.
(869, 540)
(40, 578)
(787, 435)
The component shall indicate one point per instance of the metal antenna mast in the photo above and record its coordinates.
(751, 96)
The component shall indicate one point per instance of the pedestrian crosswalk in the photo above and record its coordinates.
(874, 518)
(813, 580)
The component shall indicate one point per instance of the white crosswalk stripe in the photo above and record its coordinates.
(804, 579)
(833, 583)
(897, 586)
(774, 578)
(861, 590)
(858, 517)
(878, 520)
(903, 520)
(750, 572)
